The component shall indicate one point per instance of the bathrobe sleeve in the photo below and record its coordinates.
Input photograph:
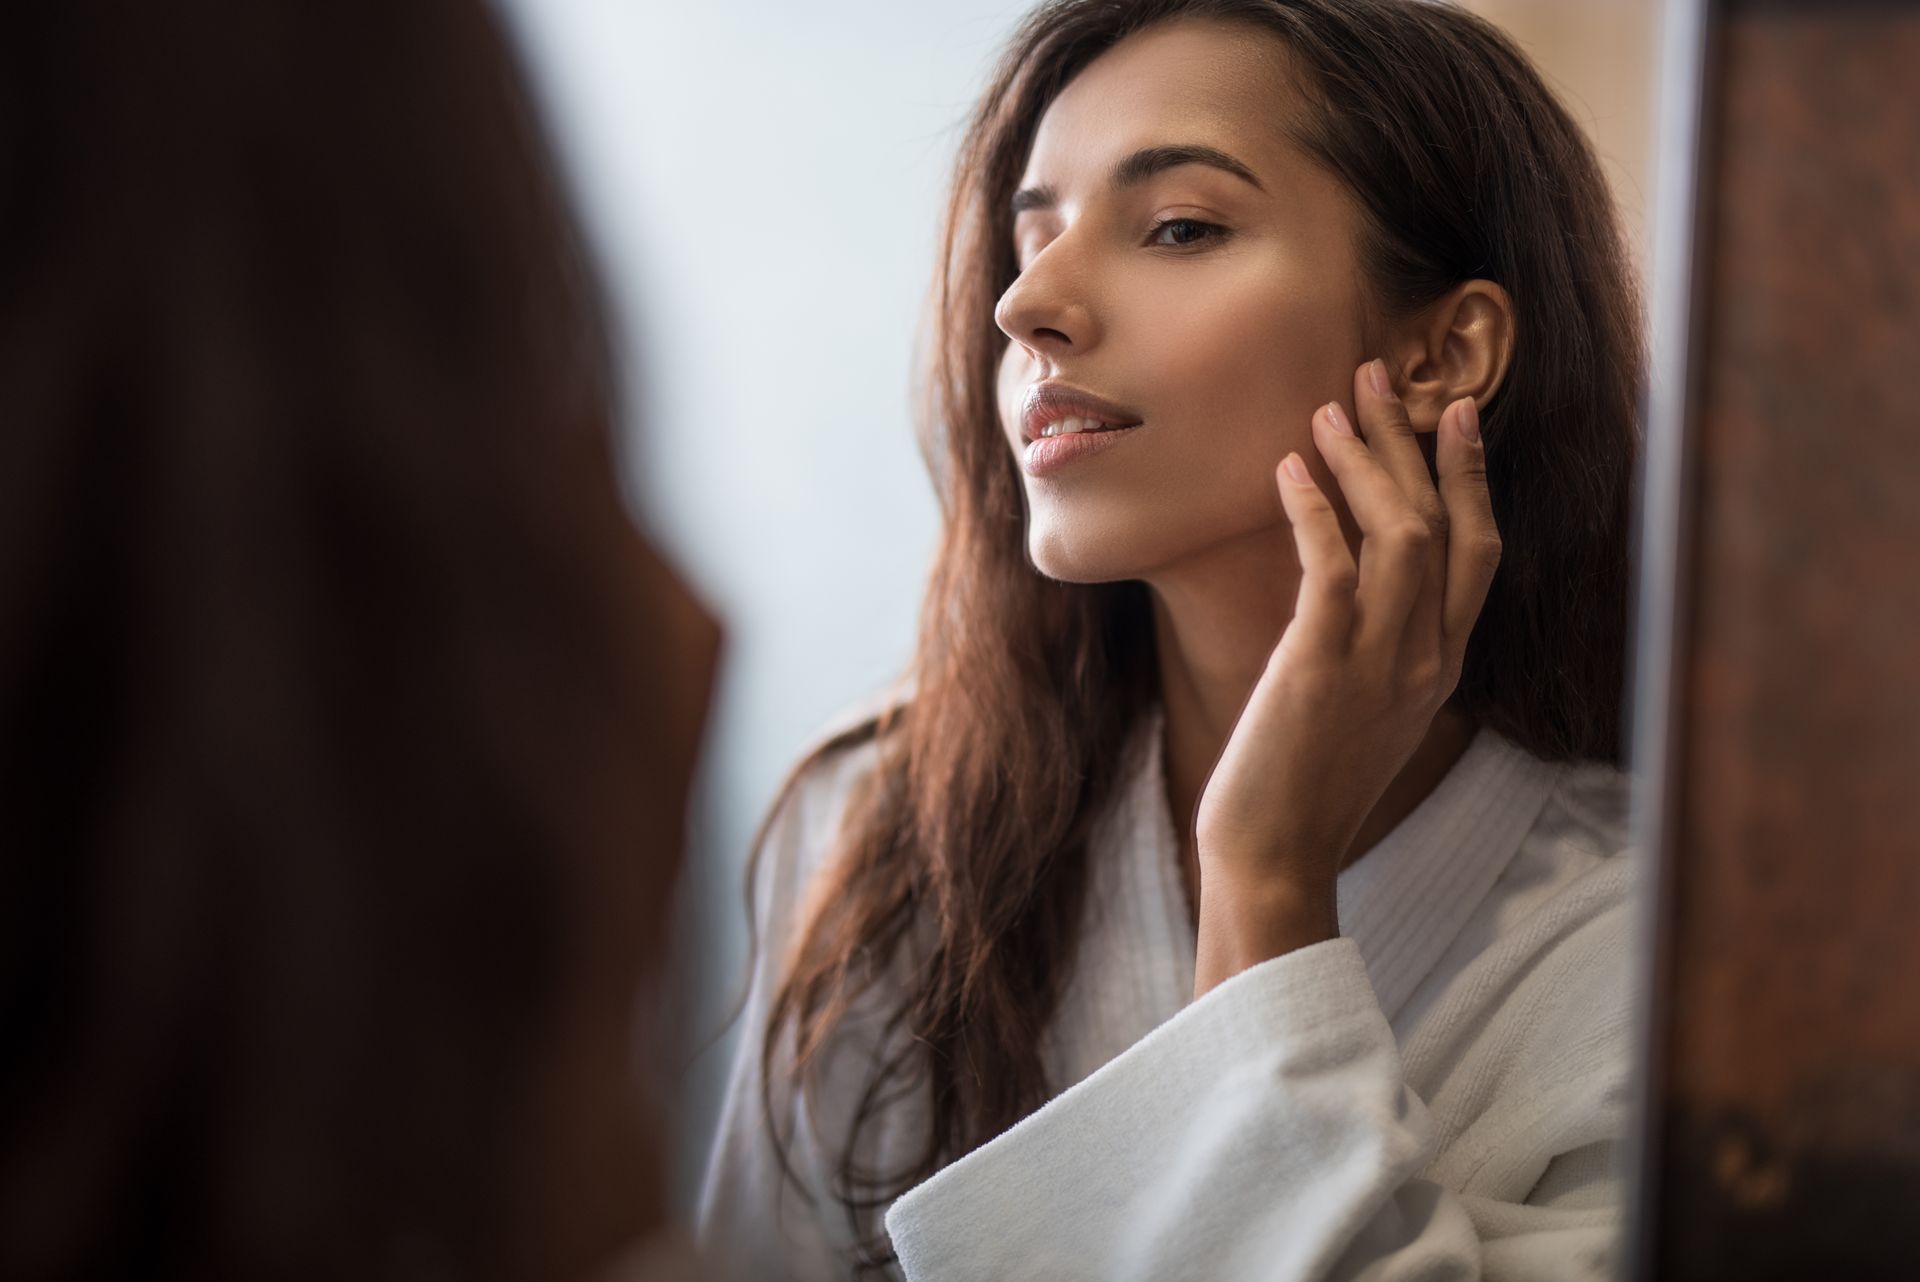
(1263, 1133)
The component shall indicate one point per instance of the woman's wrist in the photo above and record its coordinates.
(1248, 919)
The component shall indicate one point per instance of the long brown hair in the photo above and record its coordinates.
(968, 844)
(325, 648)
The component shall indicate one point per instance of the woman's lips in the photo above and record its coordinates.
(1050, 454)
(1050, 403)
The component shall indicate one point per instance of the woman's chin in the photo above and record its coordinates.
(1109, 546)
(1080, 557)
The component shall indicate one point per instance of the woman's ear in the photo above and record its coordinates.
(1459, 346)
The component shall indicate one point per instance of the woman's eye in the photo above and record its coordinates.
(1180, 232)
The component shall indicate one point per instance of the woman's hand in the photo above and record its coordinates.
(1373, 651)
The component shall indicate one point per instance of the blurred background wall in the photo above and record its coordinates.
(762, 181)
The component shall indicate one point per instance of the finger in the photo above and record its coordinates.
(1393, 537)
(1389, 433)
(1473, 549)
(1323, 610)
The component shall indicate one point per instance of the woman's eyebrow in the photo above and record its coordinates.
(1142, 165)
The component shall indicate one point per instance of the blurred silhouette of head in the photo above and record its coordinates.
(347, 717)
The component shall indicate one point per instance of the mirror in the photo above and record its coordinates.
(776, 289)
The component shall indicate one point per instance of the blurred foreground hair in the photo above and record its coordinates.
(322, 663)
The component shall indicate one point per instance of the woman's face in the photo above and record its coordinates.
(1183, 262)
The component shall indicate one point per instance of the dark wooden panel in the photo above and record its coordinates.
(1787, 1118)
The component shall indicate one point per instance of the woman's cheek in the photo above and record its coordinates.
(1261, 354)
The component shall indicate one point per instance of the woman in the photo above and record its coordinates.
(348, 719)
(1238, 892)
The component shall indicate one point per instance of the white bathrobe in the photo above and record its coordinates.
(1441, 1093)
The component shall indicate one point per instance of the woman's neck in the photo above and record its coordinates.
(1216, 621)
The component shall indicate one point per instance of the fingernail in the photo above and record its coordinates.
(1295, 468)
(1469, 420)
(1377, 375)
(1338, 421)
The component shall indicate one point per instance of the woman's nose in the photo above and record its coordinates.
(1045, 311)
